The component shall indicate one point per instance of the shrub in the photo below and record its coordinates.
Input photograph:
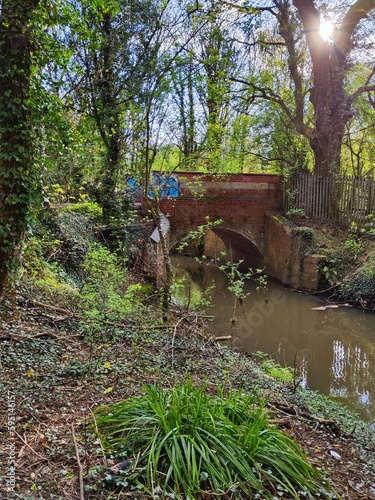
(190, 444)
(361, 287)
(352, 247)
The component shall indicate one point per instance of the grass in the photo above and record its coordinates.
(186, 443)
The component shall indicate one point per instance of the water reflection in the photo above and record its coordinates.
(334, 349)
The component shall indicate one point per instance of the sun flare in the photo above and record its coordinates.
(326, 29)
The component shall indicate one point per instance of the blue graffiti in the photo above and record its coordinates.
(132, 187)
(168, 187)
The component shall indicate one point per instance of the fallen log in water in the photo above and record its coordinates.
(330, 306)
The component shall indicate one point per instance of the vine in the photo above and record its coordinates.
(18, 179)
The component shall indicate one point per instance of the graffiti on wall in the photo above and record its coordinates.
(166, 186)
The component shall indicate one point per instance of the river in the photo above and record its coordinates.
(334, 349)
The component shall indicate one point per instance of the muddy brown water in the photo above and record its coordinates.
(334, 349)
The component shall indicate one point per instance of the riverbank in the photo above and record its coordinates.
(347, 262)
(82, 330)
(57, 368)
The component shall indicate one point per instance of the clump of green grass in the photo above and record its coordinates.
(188, 444)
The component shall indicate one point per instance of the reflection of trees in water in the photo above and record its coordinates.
(335, 348)
(198, 278)
(351, 373)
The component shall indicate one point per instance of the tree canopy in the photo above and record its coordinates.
(93, 91)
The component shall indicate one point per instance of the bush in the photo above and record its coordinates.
(361, 288)
(352, 248)
(105, 292)
(190, 444)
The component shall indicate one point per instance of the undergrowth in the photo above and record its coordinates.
(186, 443)
(65, 259)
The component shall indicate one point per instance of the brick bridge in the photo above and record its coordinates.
(241, 201)
(244, 203)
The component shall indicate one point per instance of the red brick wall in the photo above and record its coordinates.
(244, 202)
(288, 254)
(240, 200)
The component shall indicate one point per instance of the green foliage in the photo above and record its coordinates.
(276, 371)
(54, 284)
(105, 292)
(237, 279)
(299, 212)
(369, 227)
(361, 287)
(19, 186)
(89, 209)
(189, 444)
(187, 295)
(56, 239)
(198, 233)
(61, 256)
(352, 247)
(327, 269)
(272, 368)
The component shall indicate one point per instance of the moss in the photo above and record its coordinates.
(302, 231)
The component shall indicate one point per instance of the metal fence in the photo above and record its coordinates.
(341, 200)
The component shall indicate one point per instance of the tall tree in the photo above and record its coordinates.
(115, 44)
(217, 56)
(330, 63)
(321, 105)
(183, 81)
(18, 176)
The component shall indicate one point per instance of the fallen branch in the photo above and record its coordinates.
(69, 314)
(27, 444)
(80, 476)
(324, 308)
(328, 423)
(330, 306)
(326, 290)
(50, 306)
(279, 421)
(17, 337)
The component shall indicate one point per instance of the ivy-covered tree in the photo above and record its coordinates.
(18, 175)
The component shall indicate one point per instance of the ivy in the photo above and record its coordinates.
(18, 177)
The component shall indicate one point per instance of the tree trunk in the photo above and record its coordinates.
(332, 111)
(110, 172)
(106, 111)
(17, 172)
(330, 59)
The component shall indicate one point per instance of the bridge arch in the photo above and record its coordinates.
(238, 244)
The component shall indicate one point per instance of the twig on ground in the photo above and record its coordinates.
(80, 476)
(302, 414)
(174, 336)
(27, 444)
(98, 436)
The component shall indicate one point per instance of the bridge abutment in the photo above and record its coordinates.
(289, 253)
